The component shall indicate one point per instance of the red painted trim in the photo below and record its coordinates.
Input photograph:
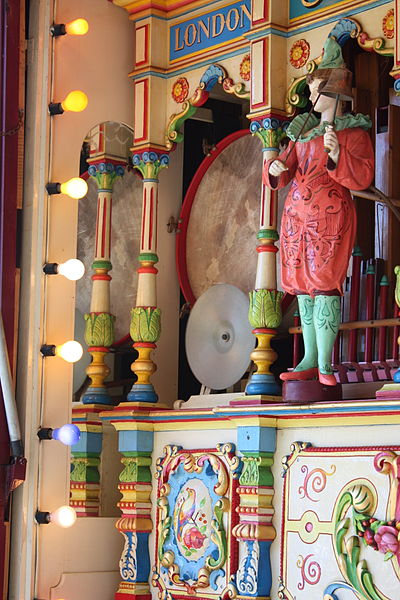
(146, 45)
(97, 228)
(98, 349)
(144, 345)
(266, 249)
(101, 277)
(264, 100)
(264, 18)
(273, 199)
(147, 270)
(151, 217)
(143, 217)
(103, 228)
(145, 108)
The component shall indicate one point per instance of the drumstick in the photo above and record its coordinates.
(329, 127)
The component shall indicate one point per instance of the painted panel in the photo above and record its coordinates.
(141, 108)
(196, 552)
(397, 31)
(209, 30)
(339, 523)
(142, 45)
(259, 11)
(259, 57)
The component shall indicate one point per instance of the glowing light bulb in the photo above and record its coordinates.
(64, 516)
(67, 434)
(75, 188)
(72, 269)
(70, 351)
(77, 27)
(76, 101)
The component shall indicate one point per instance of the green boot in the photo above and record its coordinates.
(306, 309)
(326, 323)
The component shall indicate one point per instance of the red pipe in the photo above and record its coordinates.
(370, 297)
(354, 302)
(382, 314)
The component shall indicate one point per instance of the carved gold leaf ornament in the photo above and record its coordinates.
(310, 3)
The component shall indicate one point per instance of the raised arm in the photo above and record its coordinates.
(355, 164)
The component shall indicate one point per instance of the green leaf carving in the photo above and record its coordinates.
(145, 324)
(265, 308)
(99, 330)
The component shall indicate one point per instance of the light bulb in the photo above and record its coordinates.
(77, 27)
(75, 188)
(70, 351)
(76, 101)
(72, 269)
(67, 434)
(64, 516)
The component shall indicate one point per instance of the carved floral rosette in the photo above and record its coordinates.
(196, 552)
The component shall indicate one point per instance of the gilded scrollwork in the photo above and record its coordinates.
(193, 508)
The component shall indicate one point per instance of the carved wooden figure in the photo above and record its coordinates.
(319, 221)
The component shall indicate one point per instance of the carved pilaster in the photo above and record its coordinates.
(135, 523)
(255, 532)
(265, 310)
(99, 331)
(85, 461)
(146, 317)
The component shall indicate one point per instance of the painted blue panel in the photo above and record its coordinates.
(256, 439)
(143, 558)
(89, 442)
(135, 441)
(208, 30)
(297, 8)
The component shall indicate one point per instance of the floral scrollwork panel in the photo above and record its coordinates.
(195, 516)
(341, 523)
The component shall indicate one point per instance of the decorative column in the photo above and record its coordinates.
(135, 523)
(265, 301)
(85, 461)
(255, 532)
(146, 317)
(268, 80)
(99, 332)
(395, 72)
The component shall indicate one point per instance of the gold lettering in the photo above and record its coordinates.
(244, 11)
(205, 28)
(230, 26)
(177, 46)
(221, 17)
(193, 29)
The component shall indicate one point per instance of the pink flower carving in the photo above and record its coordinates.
(387, 539)
(193, 538)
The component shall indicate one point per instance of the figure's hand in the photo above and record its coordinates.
(277, 168)
(331, 143)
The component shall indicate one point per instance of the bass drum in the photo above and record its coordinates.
(220, 218)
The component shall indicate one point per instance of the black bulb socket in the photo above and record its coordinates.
(53, 188)
(42, 517)
(45, 433)
(48, 350)
(55, 108)
(50, 268)
(58, 29)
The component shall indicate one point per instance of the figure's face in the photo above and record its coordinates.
(324, 102)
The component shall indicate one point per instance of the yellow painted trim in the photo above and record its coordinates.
(332, 8)
(211, 51)
(89, 428)
(196, 15)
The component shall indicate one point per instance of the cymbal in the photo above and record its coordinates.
(218, 336)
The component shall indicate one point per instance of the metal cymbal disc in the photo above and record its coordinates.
(218, 336)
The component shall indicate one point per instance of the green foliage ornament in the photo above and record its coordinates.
(145, 324)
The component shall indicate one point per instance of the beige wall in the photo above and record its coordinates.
(97, 63)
